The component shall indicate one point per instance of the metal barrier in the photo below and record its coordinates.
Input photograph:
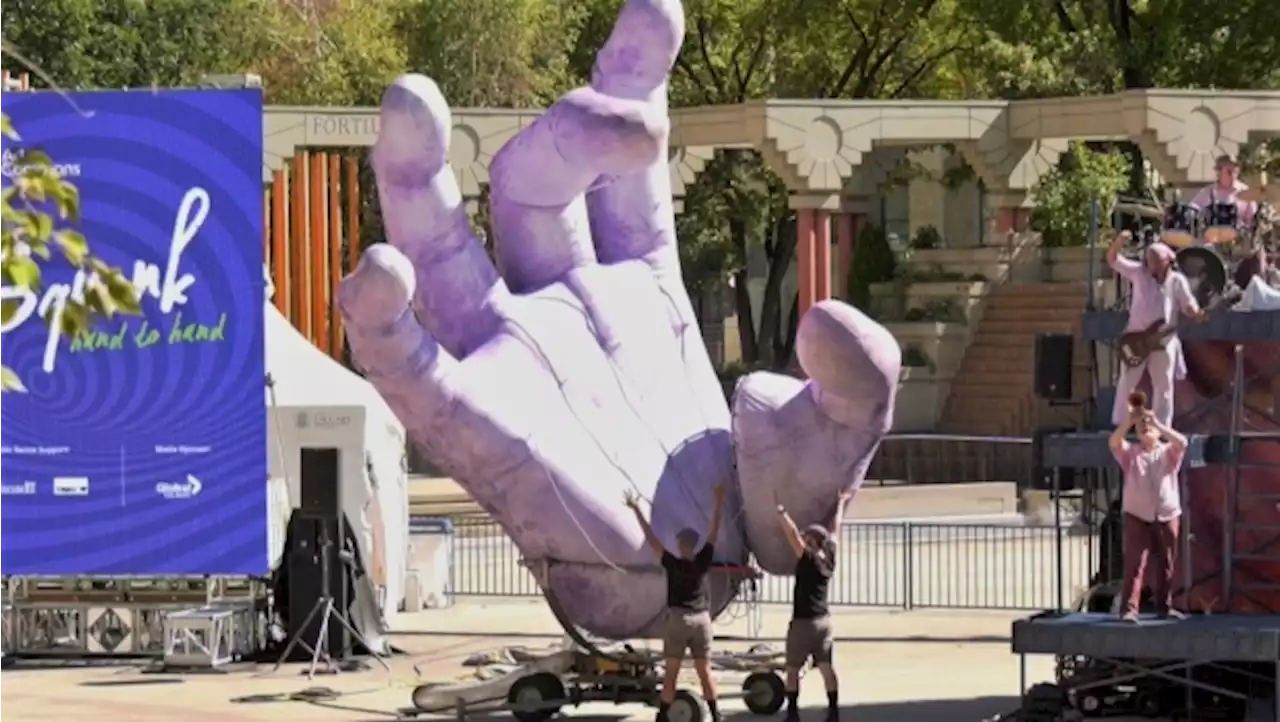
(905, 565)
(910, 459)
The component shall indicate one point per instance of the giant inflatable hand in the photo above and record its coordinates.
(579, 372)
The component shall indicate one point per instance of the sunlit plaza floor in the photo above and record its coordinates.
(923, 666)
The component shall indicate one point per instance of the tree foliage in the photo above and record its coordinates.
(38, 221)
(1065, 194)
(494, 53)
(85, 44)
(736, 222)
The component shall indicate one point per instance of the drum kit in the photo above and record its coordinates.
(1206, 239)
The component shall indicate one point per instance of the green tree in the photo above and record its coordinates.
(340, 53)
(1064, 196)
(494, 53)
(39, 215)
(740, 51)
(83, 44)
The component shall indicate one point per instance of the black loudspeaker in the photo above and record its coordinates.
(1069, 478)
(311, 539)
(1055, 353)
(320, 486)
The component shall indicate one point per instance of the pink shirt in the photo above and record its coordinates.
(1151, 480)
(1152, 300)
(1213, 194)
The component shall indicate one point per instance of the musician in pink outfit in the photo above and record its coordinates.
(1151, 503)
(1159, 292)
(1225, 190)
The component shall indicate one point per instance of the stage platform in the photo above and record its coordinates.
(1088, 450)
(1199, 638)
(1239, 326)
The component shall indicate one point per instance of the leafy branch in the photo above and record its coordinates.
(36, 221)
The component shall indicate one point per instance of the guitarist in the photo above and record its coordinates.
(1159, 292)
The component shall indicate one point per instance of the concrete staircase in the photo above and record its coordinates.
(993, 392)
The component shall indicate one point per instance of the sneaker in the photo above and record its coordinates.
(1130, 617)
(1171, 614)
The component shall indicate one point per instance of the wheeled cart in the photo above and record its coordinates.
(617, 678)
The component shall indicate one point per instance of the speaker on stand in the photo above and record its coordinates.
(319, 566)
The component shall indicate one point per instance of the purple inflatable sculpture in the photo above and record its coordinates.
(578, 371)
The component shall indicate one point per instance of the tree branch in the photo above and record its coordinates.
(744, 78)
(869, 77)
(683, 66)
(1064, 18)
(858, 61)
(926, 65)
(867, 82)
(701, 24)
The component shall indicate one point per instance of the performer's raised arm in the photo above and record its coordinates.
(1119, 444)
(633, 503)
(790, 531)
(1122, 265)
(713, 532)
(837, 519)
(1175, 438)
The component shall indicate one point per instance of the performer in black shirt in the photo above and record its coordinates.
(688, 625)
(810, 634)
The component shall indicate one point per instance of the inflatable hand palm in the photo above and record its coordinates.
(579, 373)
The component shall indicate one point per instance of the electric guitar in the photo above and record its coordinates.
(1136, 346)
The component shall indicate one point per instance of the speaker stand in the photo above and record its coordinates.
(328, 613)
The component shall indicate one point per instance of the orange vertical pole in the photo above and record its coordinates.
(822, 255)
(805, 277)
(319, 251)
(279, 241)
(300, 308)
(335, 254)
(353, 213)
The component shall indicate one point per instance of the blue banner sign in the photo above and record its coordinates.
(140, 446)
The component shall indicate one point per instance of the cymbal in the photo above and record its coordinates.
(1140, 209)
(1260, 193)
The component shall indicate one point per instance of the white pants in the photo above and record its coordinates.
(1162, 365)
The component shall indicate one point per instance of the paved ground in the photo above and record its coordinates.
(917, 666)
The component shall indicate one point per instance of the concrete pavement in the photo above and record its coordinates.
(921, 666)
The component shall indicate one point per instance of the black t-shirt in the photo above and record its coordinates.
(687, 579)
(813, 577)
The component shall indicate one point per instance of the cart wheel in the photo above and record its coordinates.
(1043, 703)
(1089, 704)
(686, 707)
(533, 691)
(763, 692)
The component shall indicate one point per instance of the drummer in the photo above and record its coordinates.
(1226, 190)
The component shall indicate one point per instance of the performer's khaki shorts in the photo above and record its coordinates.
(809, 638)
(689, 630)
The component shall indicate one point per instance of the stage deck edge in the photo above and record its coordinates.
(1089, 450)
(1239, 326)
(1217, 637)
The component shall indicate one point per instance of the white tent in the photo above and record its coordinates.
(314, 401)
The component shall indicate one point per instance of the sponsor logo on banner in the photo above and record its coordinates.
(180, 489)
(71, 486)
(322, 421)
(26, 488)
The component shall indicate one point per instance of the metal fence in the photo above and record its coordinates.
(912, 459)
(905, 565)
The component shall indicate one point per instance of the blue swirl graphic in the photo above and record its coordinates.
(145, 451)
